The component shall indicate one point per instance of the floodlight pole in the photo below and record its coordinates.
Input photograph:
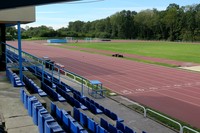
(19, 50)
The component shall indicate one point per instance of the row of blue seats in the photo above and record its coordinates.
(52, 93)
(97, 108)
(88, 123)
(68, 123)
(9, 60)
(41, 117)
(14, 78)
(33, 87)
(11, 56)
(70, 99)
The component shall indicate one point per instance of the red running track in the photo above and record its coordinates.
(172, 91)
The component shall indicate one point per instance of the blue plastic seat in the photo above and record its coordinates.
(73, 127)
(112, 129)
(53, 109)
(22, 95)
(83, 120)
(35, 109)
(128, 130)
(66, 122)
(79, 105)
(91, 125)
(52, 127)
(25, 100)
(59, 115)
(115, 117)
(100, 129)
(95, 110)
(42, 117)
(107, 112)
(120, 126)
(76, 114)
(104, 124)
(31, 100)
(102, 108)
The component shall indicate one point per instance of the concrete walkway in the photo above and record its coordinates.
(15, 115)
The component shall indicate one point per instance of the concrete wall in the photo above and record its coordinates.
(24, 15)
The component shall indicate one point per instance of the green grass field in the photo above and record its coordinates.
(188, 52)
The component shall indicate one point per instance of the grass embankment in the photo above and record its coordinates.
(187, 52)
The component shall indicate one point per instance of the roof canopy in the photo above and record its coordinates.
(5, 4)
(12, 16)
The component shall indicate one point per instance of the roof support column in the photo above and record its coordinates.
(3, 47)
(20, 50)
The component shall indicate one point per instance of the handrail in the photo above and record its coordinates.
(185, 127)
(180, 126)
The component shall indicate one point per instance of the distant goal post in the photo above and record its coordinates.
(69, 39)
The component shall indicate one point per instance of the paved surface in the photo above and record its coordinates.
(14, 113)
(172, 91)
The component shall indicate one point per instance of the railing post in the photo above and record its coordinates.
(19, 50)
(82, 88)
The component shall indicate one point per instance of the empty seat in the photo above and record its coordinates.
(66, 122)
(79, 105)
(42, 117)
(112, 129)
(73, 127)
(31, 100)
(53, 109)
(128, 130)
(95, 110)
(115, 117)
(107, 112)
(83, 120)
(91, 125)
(76, 114)
(100, 129)
(120, 126)
(59, 115)
(52, 127)
(104, 124)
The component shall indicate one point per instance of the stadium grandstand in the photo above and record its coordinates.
(49, 100)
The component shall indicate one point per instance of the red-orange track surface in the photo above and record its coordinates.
(169, 90)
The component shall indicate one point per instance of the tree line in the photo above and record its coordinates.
(174, 24)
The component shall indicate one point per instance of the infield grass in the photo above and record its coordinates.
(187, 52)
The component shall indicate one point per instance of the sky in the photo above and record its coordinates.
(59, 15)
